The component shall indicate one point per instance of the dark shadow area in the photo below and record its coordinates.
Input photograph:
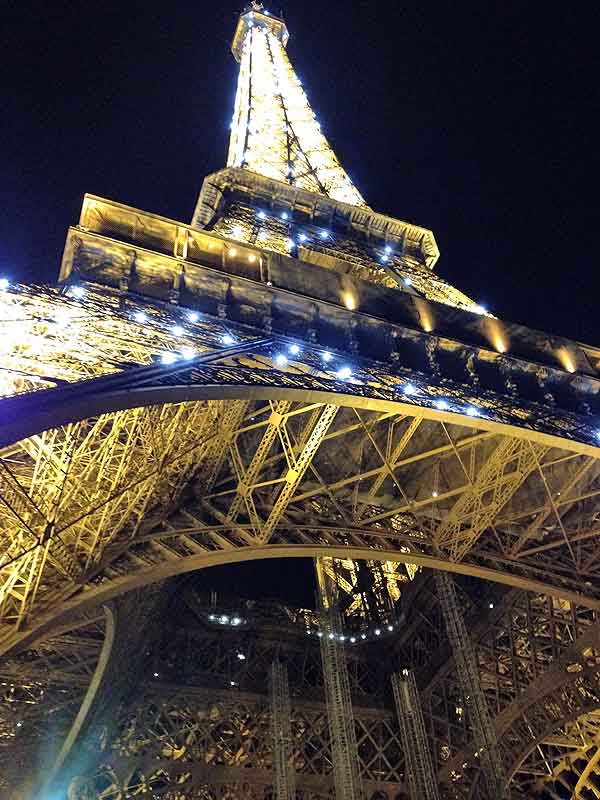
(290, 580)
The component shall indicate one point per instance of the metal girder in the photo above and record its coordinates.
(505, 471)
(281, 732)
(419, 771)
(296, 472)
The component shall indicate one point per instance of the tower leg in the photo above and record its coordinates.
(493, 778)
(281, 732)
(419, 773)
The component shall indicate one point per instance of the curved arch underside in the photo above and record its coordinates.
(103, 504)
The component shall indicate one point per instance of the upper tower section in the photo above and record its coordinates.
(274, 131)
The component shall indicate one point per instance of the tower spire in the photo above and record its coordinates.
(274, 131)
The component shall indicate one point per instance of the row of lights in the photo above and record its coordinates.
(224, 619)
(281, 360)
(410, 389)
(342, 637)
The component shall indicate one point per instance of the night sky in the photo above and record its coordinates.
(478, 120)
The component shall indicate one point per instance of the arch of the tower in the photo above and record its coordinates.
(105, 503)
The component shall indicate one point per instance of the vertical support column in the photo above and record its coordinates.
(494, 779)
(281, 732)
(419, 773)
(342, 733)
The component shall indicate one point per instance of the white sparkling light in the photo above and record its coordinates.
(363, 636)
(388, 249)
(140, 316)
(352, 639)
(77, 292)
(227, 339)
(168, 358)
(188, 352)
(407, 282)
(177, 330)
(409, 389)
(324, 234)
(344, 373)
(471, 411)
(285, 215)
(4, 284)
(262, 215)
(326, 356)
(241, 656)
(303, 237)
(332, 636)
(280, 360)
(193, 316)
(377, 632)
(441, 404)
(294, 349)
(390, 627)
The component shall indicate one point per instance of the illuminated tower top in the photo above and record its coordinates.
(274, 131)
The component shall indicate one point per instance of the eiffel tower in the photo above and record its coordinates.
(287, 376)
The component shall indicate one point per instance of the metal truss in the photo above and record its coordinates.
(281, 732)
(473, 696)
(337, 692)
(419, 770)
(274, 131)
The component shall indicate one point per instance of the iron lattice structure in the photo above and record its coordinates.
(287, 376)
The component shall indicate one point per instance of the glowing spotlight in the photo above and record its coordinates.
(434, 493)
(384, 258)
(388, 249)
(168, 358)
(177, 330)
(77, 291)
(349, 301)
(4, 284)
(479, 309)
(471, 411)
(303, 237)
(252, 258)
(193, 316)
(294, 349)
(441, 404)
(352, 639)
(332, 635)
(262, 215)
(407, 282)
(188, 353)
(324, 234)
(280, 360)
(241, 657)
(140, 316)
(285, 215)
(326, 356)
(390, 627)
(344, 373)
(227, 339)
(377, 632)
(409, 389)
(232, 252)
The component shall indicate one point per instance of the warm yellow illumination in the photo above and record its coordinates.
(269, 102)
(252, 258)
(567, 359)
(496, 334)
(425, 315)
(349, 301)
(232, 252)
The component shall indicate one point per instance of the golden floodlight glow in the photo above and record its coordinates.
(274, 131)
(349, 301)
(232, 252)
(425, 313)
(252, 258)
(567, 360)
(496, 334)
